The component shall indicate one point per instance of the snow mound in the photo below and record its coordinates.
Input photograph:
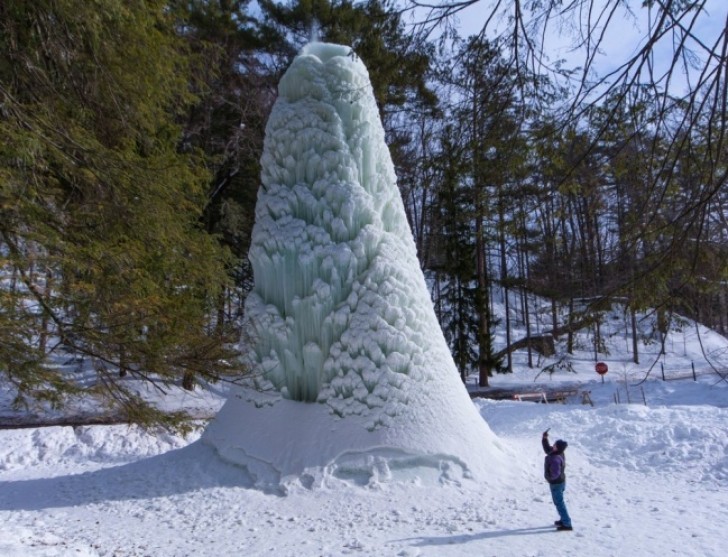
(361, 384)
(684, 443)
(294, 444)
(61, 445)
(666, 441)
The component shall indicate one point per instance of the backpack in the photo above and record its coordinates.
(553, 468)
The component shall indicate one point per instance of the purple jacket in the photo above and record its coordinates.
(554, 464)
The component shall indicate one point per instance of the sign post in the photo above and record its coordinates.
(601, 368)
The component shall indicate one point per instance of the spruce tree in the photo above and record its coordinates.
(99, 213)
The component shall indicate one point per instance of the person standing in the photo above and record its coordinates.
(555, 474)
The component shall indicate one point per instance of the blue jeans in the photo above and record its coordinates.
(557, 494)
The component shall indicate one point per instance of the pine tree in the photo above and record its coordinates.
(234, 86)
(452, 255)
(99, 212)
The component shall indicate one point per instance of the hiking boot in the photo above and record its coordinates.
(558, 523)
(562, 528)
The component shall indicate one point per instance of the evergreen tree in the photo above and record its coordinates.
(487, 112)
(99, 212)
(452, 256)
(398, 64)
(234, 89)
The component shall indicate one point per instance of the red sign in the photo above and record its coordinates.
(601, 368)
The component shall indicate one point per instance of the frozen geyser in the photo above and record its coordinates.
(351, 370)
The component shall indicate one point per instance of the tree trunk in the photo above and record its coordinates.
(570, 336)
(483, 309)
(504, 281)
(524, 305)
(507, 305)
(46, 319)
(633, 315)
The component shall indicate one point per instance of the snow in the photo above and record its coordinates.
(642, 480)
(346, 346)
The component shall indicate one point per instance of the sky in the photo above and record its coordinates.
(623, 37)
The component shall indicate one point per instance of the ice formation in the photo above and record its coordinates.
(353, 377)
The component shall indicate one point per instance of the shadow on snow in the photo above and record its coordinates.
(191, 468)
(467, 538)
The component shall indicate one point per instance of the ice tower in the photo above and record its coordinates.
(352, 375)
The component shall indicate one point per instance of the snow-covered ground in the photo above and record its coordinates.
(642, 480)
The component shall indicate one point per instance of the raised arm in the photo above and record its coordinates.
(545, 442)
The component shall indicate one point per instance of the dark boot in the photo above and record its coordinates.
(562, 528)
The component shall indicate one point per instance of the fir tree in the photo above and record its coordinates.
(99, 212)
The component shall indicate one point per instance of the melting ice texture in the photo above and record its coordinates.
(340, 309)
(348, 351)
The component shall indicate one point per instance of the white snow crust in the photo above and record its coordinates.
(348, 352)
(641, 481)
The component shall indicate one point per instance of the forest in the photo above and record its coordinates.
(131, 134)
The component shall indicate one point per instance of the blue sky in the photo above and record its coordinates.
(624, 35)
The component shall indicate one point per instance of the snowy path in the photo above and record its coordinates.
(172, 508)
(641, 482)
